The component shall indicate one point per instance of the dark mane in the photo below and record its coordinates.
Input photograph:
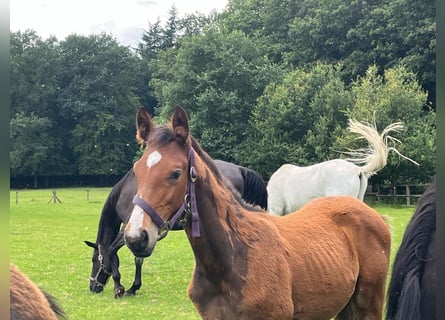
(54, 305)
(254, 185)
(207, 159)
(210, 163)
(411, 257)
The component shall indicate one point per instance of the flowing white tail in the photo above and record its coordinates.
(374, 158)
(290, 187)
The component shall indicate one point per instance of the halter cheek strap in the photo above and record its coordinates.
(189, 205)
(192, 193)
(95, 279)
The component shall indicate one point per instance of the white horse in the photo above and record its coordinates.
(291, 186)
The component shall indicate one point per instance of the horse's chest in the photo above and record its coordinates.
(213, 302)
(224, 303)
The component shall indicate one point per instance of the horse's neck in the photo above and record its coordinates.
(215, 246)
(109, 223)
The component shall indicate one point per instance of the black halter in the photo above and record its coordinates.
(95, 279)
(181, 216)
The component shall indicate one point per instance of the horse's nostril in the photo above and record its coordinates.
(144, 236)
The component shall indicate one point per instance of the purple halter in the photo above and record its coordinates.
(188, 207)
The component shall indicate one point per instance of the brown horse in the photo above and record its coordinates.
(28, 301)
(328, 260)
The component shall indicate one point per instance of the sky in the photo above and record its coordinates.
(125, 19)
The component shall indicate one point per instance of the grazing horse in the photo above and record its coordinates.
(110, 239)
(28, 301)
(328, 260)
(292, 186)
(117, 209)
(412, 290)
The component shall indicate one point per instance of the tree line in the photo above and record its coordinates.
(265, 82)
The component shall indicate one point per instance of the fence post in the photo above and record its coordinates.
(55, 198)
(394, 198)
(16, 197)
(408, 195)
(88, 194)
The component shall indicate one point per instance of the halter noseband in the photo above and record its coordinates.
(188, 207)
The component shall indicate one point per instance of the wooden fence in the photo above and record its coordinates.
(409, 192)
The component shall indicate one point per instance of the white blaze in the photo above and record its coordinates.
(153, 158)
(135, 222)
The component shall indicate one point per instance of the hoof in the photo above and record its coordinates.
(119, 292)
(130, 293)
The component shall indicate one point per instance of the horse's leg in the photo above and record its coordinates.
(367, 301)
(137, 277)
(346, 313)
(119, 289)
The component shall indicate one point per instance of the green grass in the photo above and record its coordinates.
(46, 243)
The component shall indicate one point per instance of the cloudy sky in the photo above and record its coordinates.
(125, 19)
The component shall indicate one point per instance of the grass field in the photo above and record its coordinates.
(46, 243)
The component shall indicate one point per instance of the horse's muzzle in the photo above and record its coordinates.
(96, 287)
(139, 245)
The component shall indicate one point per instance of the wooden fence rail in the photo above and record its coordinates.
(403, 191)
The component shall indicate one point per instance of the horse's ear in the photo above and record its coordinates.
(91, 244)
(144, 125)
(180, 124)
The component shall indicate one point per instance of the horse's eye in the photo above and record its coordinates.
(175, 175)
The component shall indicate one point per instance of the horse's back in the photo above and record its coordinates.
(232, 173)
(349, 214)
(336, 250)
(125, 190)
(291, 186)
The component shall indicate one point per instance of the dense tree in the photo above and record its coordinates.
(97, 102)
(218, 78)
(357, 33)
(392, 33)
(151, 42)
(397, 96)
(296, 120)
(78, 95)
(268, 21)
(33, 91)
(159, 38)
(33, 73)
(265, 82)
(303, 120)
(34, 150)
